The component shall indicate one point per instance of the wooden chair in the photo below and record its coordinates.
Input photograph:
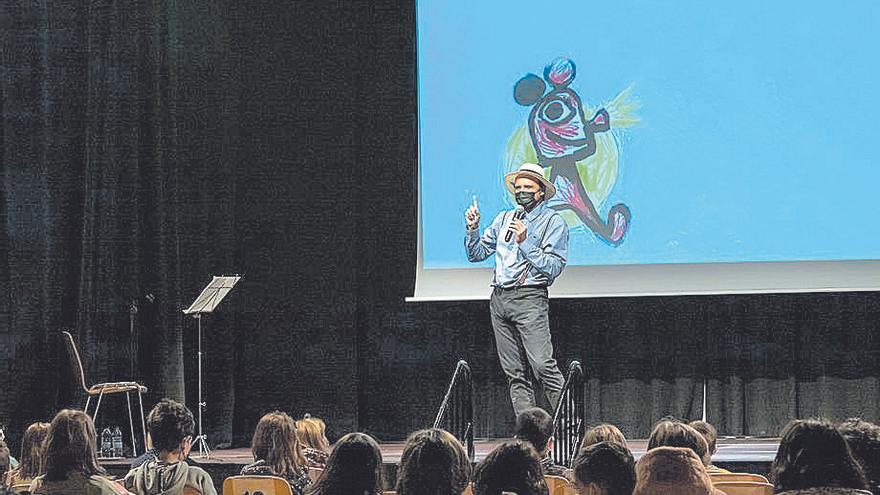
(744, 487)
(737, 477)
(468, 490)
(315, 473)
(20, 489)
(102, 389)
(248, 485)
(558, 485)
(188, 490)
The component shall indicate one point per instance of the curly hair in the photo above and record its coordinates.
(813, 453)
(513, 466)
(433, 463)
(169, 422)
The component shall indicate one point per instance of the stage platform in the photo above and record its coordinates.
(752, 455)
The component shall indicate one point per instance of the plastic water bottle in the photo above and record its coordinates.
(117, 442)
(106, 443)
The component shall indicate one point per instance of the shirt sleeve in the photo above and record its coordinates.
(481, 247)
(548, 255)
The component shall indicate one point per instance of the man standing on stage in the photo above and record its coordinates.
(530, 252)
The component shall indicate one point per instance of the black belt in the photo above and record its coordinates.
(517, 287)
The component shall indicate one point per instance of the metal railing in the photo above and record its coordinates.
(568, 420)
(456, 414)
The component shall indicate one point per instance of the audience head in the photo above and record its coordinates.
(171, 427)
(535, 426)
(513, 466)
(275, 443)
(311, 434)
(433, 463)
(672, 471)
(33, 451)
(353, 468)
(710, 434)
(668, 433)
(813, 453)
(604, 468)
(4, 462)
(604, 433)
(863, 439)
(71, 446)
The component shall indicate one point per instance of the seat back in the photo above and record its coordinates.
(250, 485)
(20, 489)
(315, 473)
(716, 477)
(75, 361)
(557, 485)
(744, 487)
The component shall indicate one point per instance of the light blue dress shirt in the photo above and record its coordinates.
(537, 261)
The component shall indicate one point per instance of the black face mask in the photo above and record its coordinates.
(526, 199)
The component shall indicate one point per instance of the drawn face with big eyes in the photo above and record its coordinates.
(557, 125)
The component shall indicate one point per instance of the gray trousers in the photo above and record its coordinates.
(520, 318)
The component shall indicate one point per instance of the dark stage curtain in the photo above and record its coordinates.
(147, 145)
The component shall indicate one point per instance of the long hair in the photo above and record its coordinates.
(513, 466)
(70, 446)
(812, 453)
(310, 432)
(33, 451)
(433, 463)
(353, 468)
(275, 443)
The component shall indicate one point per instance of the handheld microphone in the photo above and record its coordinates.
(519, 215)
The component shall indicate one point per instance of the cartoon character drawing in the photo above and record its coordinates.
(562, 139)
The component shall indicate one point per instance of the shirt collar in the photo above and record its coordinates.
(536, 211)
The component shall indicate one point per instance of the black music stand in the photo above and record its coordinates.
(210, 297)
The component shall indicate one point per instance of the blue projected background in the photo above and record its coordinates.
(739, 131)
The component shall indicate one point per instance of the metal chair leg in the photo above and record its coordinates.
(143, 423)
(88, 399)
(131, 425)
(97, 407)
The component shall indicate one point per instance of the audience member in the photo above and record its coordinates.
(4, 465)
(150, 454)
(311, 434)
(814, 458)
(433, 463)
(535, 426)
(710, 434)
(513, 466)
(171, 428)
(33, 455)
(277, 452)
(604, 468)
(864, 442)
(353, 468)
(672, 471)
(71, 459)
(669, 433)
(604, 433)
